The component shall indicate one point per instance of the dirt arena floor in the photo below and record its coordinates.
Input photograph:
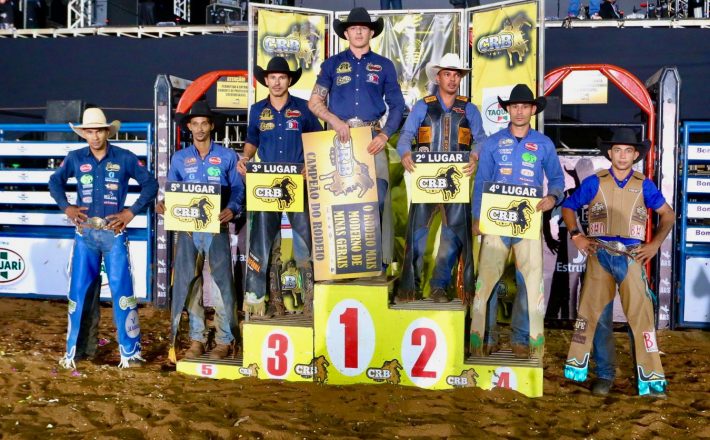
(38, 400)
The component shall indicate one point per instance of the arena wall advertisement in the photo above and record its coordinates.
(504, 50)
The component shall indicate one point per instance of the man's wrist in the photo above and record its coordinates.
(575, 233)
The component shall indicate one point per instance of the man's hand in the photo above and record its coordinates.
(584, 244)
(343, 130)
(475, 229)
(470, 167)
(377, 143)
(407, 162)
(242, 166)
(645, 252)
(119, 221)
(547, 203)
(76, 214)
(160, 207)
(226, 215)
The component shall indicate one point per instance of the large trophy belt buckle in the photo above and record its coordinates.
(97, 223)
(355, 122)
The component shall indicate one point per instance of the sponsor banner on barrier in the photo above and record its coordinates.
(192, 207)
(275, 187)
(439, 177)
(300, 38)
(342, 197)
(505, 53)
(278, 351)
(509, 210)
(233, 92)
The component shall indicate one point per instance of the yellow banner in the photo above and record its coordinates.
(509, 210)
(233, 92)
(439, 178)
(192, 207)
(299, 38)
(342, 196)
(505, 53)
(276, 187)
(280, 350)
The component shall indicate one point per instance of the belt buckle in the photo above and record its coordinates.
(97, 223)
(355, 122)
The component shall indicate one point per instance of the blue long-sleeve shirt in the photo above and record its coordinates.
(504, 159)
(356, 88)
(219, 167)
(102, 185)
(589, 187)
(277, 134)
(418, 114)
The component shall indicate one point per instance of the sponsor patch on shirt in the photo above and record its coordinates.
(112, 186)
(215, 160)
(266, 115)
(505, 142)
(266, 126)
(506, 171)
(342, 80)
(373, 78)
(528, 173)
(344, 67)
(113, 167)
(85, 168)
(291, 113)
(214, 171)
(191, 169)
(531, 146)
(458, 110)
(86, 179)
(86, 199)
(292, 124)
(505, 150)
(373, 67)
(190, 161)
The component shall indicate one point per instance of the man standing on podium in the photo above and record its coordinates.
(361, 86)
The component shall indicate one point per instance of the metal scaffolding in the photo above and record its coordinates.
(181, 8)
(79, 13)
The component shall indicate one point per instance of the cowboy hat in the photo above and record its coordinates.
(450, 61)
(277, 65)
(358, 15)
(94, 117)
(625, 136)
(521, 93)
(199, 108)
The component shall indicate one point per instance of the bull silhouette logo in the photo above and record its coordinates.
(349, 175)
(510, 40)
(281, 191)
(198, 210)
(516, 215)
(316, 369)
(389, 372)
(466, 379)
(446, 181)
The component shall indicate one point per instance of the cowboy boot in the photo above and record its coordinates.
(276, 302)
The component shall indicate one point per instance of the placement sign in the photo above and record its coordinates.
(342, 196)
(439, 178)
(192, 207)
(509, 210)
(276, 187)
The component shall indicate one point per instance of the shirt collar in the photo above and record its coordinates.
(288, 103)
(621, 183)
(352, 56)
(530, 129)
(109, 152)
(197, 153)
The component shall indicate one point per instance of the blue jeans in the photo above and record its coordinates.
(603, 348)
(385, 4)
(215, 247)
(573, 8)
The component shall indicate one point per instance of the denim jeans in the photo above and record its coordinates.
(215, 248)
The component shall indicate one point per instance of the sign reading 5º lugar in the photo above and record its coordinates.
(509, 210)
(439, 178)
(192, 207)
(275, 187)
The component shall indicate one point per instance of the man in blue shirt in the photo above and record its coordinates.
(441, 122)
(523, 156)
(102, 172)
(356, 80)
(275, 127)
(206, 162)
(618, 200)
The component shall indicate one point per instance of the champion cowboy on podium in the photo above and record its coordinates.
(102, 172)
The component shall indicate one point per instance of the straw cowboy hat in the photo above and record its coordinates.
(277, 65)
(360, 16)
(625, 136)
(450, 61)
(521, 94)
(94, 117)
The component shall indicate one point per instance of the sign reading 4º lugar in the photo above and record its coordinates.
(275, 187)
(509, 210)
(192, 207)
(439, 178)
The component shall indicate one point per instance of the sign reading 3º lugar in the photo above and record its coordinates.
(192, 207)
(275, 187)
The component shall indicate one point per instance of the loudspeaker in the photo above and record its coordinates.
(63, 112)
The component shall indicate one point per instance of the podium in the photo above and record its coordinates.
(356, 336)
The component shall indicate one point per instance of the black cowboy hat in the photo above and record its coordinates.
(521, 93)
(277, 65)
(625, 136)
(358, 15)
(201, 108)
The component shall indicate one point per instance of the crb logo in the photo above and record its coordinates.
(466, 379)
(349, 174)
(301, 43)
(281, 191)
(317, 369)
(252, 370)
(281, 45)
(511, 39)
(388, 372)
(199, 210)
(517, 215)
(446, 181)
(12, 266)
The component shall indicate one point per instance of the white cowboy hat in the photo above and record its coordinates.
(450, 61)
(95, 118)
